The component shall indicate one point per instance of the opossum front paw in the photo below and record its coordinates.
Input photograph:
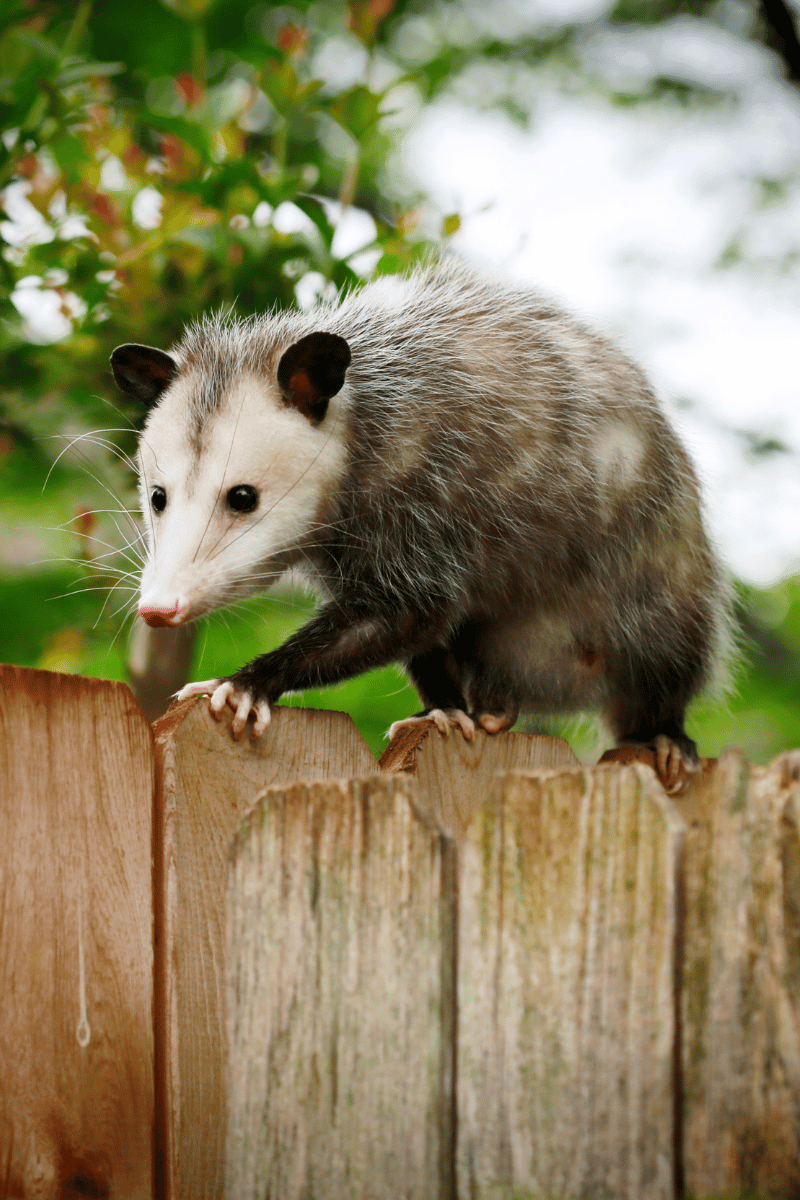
(225, 694)
(244, 705)
(445, 720)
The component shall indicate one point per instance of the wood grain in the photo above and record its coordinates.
(207, 783)
(340, 929)
(455, 776)
(741, 995)
(76, 1045)
(568, 933)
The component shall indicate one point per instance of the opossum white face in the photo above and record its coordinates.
(230, 495)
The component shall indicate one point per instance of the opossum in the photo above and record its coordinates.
(481, 487)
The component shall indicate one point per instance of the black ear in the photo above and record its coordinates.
(143, 372)
(311, 371)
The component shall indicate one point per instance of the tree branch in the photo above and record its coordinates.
(782, 36)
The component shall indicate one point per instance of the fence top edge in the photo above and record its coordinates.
(167, 726)
(401, 753)
(44, 686)
(298, 789)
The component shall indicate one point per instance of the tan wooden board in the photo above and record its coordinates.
(449, 980)
(340, 998)
(567, 989)
(455, 776)
(207, 784)
(76, 1043)
(741, 983)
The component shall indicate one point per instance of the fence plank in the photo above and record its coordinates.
(340, 924)
(566, 981)
(206, 785)
(741, 1001)
(76, 1044)
(455, 776)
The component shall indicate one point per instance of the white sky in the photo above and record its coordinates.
(623, 212)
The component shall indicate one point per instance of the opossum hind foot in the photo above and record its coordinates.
(225, 694)
(675, 763)
(496, 718)
(445, 720)
(494, 722)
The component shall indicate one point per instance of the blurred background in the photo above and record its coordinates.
(640, 159)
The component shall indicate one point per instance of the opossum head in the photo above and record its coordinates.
(237, 465)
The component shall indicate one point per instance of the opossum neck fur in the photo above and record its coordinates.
(201, 554)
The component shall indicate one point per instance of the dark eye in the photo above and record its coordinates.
(242, 498)
(158, 499)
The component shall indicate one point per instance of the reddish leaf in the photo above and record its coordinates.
(189, 88)
(292, 39)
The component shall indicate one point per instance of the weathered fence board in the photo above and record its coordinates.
(455, 776)
(552, 929)
(76, 1041)
(206, 785)
(447, 981)
(741, 983)
(566, 988)
(625, 998)
(340, 942)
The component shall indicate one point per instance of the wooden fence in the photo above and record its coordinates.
(266, 970)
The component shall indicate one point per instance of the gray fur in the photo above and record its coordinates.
(508, 472)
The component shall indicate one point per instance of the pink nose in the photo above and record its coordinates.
(159, 616)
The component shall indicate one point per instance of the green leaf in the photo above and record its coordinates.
(70, 155)
(41, 46)
(357, 110)
(280, 84)
(87, 70)
(190, 132)
(315, 209)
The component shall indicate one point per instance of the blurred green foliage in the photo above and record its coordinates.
(148, 152)
(166, 158)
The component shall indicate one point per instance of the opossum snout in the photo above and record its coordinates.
(175, 614)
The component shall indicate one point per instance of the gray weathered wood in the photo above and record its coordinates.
(741, 982)
(340, 952)
(159, 663)
(455, 776)
(568, 928)
(76, 951)
(206, 785)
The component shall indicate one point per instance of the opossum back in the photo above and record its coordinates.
(488, 427)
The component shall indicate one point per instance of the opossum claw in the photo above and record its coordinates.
(224, 694)
(445, 720)
(263, 718)
(673, 763)
(243, 704)
(674, 767)
(206, 688)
